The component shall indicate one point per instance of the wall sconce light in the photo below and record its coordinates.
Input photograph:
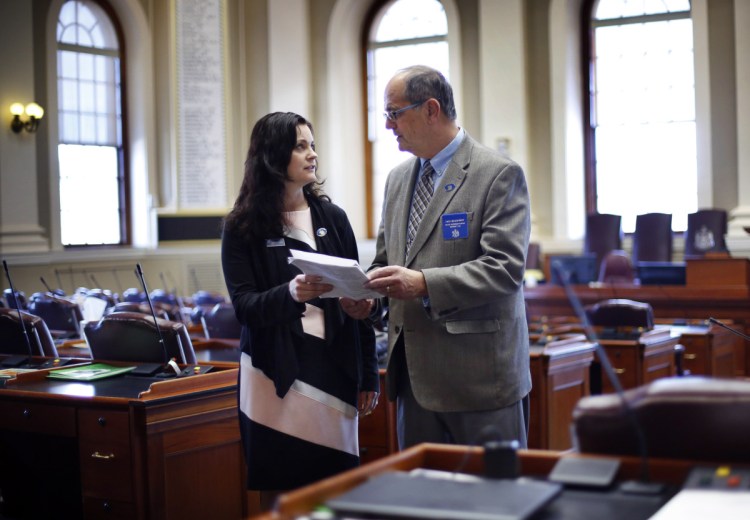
(35, 113)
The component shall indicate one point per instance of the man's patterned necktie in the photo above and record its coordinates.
(422, 196)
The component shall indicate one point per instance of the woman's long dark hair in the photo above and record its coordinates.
(257, 212)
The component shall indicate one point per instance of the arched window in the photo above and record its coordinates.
(93, 193)
(641, 138)
(401, 33)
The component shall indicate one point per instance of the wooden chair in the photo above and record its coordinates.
(652, 240)
(705, 233)
(603, 234)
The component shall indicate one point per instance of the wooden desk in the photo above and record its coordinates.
(730, 302)
(124, 447)
(559, 378)
(377, 431)
(639, 361)
(533, 463)
(710, 350)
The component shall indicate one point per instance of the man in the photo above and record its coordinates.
(458, 363)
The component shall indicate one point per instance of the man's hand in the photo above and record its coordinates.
(397, 282)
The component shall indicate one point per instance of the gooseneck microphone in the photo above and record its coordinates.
(176, 296)
(57, 292)
(20, 315)
(730, 329)
(46, 286)
(168, 363)
(644, 485)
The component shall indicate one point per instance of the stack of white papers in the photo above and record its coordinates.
(345, 274)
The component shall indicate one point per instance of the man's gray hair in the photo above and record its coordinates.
(422, 83)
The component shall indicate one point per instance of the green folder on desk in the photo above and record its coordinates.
(89, 372)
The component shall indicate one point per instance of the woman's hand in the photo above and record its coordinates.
(305, 287)
(367, 402)
(357, 309)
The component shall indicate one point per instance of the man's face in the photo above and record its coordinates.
(409, 125)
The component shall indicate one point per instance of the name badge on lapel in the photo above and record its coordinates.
(275, 242)
(455, 226)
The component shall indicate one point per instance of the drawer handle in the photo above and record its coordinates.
(101, 456)
(691, 356)
(619, 371)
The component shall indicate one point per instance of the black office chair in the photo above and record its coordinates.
(10, 299)
(603, 234)
(620, 312)
(706, 229)
(132, 294)
(208, 298)
(132, 336)
(13, 340)
(96, 302)
(141, 307)
(652, 240)
(695, 418)
(61, 315)
(203, 302)
(221, 322)
(617, 268)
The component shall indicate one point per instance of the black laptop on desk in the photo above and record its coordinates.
(400, 495)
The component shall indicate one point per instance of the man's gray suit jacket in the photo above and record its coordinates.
(467, 348)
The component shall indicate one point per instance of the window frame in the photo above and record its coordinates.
(588, 55)
(375, 9)
(123, 151)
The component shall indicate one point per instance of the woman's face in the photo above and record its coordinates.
(302, 164)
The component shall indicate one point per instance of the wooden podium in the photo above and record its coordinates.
(123, 447)
(559, 378)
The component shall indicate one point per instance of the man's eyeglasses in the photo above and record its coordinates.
(393, 114)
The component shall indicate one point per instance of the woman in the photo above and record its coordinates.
(307, 369)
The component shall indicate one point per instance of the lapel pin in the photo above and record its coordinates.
(321, 232)
(450, 187)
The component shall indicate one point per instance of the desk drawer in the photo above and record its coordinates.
(625, 363)
(34, 417)
(98, 425)
(104, 446)
(109, 509)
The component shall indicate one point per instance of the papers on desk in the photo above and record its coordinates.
(699, 504)
(345, 274)
(89, 372)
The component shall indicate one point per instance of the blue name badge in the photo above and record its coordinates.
(455, 225)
